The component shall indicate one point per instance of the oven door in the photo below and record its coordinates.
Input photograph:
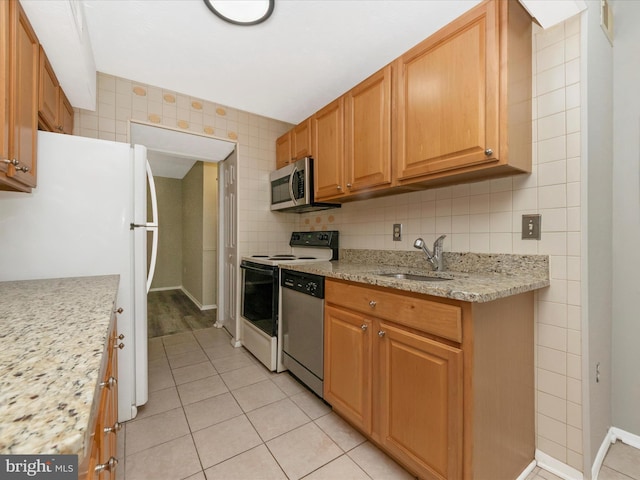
(260, 296)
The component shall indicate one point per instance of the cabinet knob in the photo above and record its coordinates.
(109, 466)
(373, 304)
(115, 429)
(120, 310)
(381, 333)
(339, 187)
(111, 382)
(120, 346)
(364, 327)
(348, 185)
(121, 336)
(488, 152)
(16, 164)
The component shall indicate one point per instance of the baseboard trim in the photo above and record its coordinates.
(196, 302)
(625, 437)
(164, 289)
(525, 473)
(558, 468)
(602, 452)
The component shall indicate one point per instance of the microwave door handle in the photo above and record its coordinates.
(291, 177)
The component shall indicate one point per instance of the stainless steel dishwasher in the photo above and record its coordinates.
(303, 326)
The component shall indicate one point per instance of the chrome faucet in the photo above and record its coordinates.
(436, 257)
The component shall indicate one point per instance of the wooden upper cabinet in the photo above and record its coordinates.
(66, 114)
(463, 97)
(283, 150)
(49, 94)
(301, 140)
(368, 132)
(328, 148)
(19, 82)
(55, 113)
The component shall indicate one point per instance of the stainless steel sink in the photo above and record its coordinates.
(411, 276)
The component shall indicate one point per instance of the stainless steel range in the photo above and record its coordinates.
(261, 294)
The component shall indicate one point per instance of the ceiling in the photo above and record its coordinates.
(306, 54)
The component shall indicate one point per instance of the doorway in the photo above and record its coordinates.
(186, 291)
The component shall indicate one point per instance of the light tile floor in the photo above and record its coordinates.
(215, 413)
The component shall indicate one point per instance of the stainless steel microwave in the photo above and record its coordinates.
(292, 188)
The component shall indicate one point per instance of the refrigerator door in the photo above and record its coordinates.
(77, 223)
(139, 227)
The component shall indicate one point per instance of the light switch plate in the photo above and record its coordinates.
(531, 227)
(397, 232)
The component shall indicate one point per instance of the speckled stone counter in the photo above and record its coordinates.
(52, 337)
(471, 277)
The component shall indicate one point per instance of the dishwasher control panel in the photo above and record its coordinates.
(307, 283)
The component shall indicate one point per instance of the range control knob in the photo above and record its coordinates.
(312, 287)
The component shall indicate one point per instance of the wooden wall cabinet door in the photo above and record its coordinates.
(283, 150)
(19, 84)
(49, 95)
(348, 361)
(368, 133)
(301, 140)
(421, 402)
(66, 114)
(328, 147)
(460, 92)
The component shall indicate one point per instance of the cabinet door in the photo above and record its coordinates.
(301, 140)
(66, 114)
(368, 132)
(23, 112)
(421, 402)
(4, 84)
(283, 150)
(49, 95)
(328, 147)
(347, 365)
(447, 96)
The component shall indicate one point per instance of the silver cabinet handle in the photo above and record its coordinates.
(115, 429)
(381, 333)
(364, 327)
(373, 303)
(488, 152)
(111, 382)
(109, 466)
(120, 346)
(16, 163)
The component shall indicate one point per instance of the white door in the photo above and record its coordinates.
(228, 288)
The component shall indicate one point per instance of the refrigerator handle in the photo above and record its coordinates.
(153, 226)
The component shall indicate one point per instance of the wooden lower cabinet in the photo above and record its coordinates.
(444, 409)
(102, 461)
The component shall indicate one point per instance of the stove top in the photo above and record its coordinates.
(306, 247)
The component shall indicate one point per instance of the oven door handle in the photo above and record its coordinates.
(265, 271)
(291, 177)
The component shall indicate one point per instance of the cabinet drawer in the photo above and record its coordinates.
(437, 318)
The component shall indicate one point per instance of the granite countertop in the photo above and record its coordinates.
(470, 277)
(52, 337)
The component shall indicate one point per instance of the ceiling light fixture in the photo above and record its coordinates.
(241, 12)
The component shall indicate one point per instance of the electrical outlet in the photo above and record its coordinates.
(397, 232)
(531, 227)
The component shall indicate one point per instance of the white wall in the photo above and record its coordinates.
(598, 234)
(626, 217)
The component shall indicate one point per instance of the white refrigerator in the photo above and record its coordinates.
(88, 216)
